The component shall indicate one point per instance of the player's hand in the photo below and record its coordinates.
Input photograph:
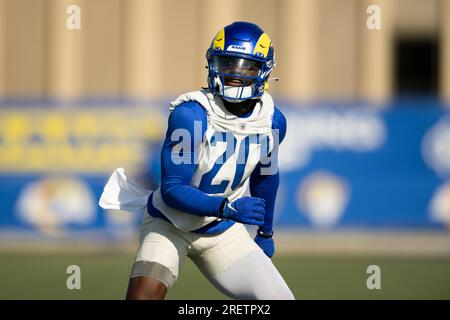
(247, 210)
(266, 244)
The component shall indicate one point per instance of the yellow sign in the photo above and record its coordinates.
(82, 140)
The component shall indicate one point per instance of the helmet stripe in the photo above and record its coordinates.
(263, 45)
(219, 40)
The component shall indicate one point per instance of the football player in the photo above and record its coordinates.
(218, 172)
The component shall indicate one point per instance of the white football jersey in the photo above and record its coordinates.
(230, 150)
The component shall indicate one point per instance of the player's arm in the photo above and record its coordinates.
(178, 163)
(264, 183)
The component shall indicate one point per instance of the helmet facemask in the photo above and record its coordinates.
(235, 78)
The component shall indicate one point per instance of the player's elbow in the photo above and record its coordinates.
(170, 194)
(167, 192)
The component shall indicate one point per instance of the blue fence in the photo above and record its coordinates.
(358, 168)
(341, 167)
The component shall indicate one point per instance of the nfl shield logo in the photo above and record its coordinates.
(242, 126)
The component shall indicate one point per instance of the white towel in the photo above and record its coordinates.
(122, 194)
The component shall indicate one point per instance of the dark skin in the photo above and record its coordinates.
(146, 288)
(238, 108)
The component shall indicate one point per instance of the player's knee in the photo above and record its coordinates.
(149, 281)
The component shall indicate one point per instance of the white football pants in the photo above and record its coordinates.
(231, 260)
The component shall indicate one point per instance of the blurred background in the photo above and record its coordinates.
(365, 167)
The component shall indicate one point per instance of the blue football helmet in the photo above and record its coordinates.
(240, 60)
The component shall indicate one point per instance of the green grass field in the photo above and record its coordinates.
(105, 276)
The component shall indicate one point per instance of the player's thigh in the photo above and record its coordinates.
(213, 254)
(161, 252)
(239, 268)
(253, 277)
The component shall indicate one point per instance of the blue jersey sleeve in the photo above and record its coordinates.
(187, 125)
(263, 185)
(279, 123)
